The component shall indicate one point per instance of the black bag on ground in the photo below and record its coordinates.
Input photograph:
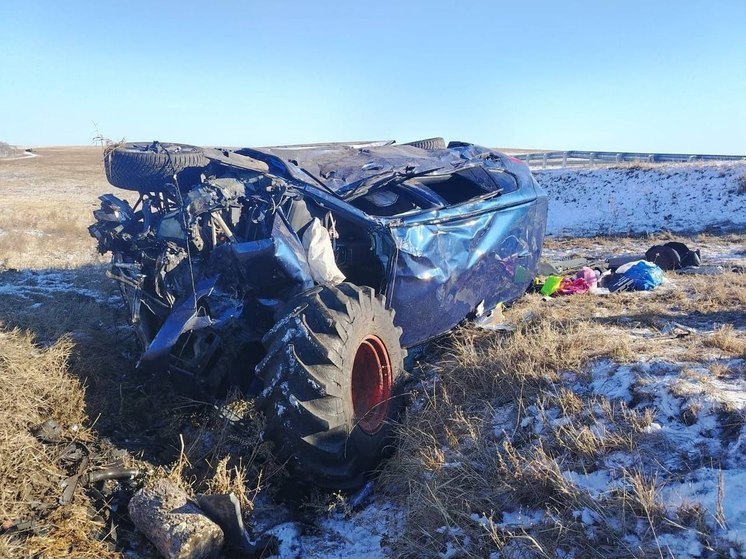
(673, 255)
(688, 257)
(663, 256)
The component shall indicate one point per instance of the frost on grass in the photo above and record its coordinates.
(30, 285)
(578, 437)
(719, 493)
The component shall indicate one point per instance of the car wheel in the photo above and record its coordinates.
(430, 143)
(333, 375)
(148, 167)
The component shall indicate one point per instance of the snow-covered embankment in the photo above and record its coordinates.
(644, 198)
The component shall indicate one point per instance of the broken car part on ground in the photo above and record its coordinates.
(302, 273)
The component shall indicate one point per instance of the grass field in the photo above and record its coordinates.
(578, 433)
(47, 206)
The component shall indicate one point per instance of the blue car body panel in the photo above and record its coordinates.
(446, 267)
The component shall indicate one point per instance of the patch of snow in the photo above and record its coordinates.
(587, 516)
(652, 428)
(689, 411)
(451, 552)
(288, 536)
(682, 545)
(538, 418)
(31, 284)
(292, 399)
(715, 490)
(613, 381)
(482, 520)
(632, 541)
(521, 518)
(618, 460)
(733, 392)
(594, 483)
(360, 536)
(736, 454)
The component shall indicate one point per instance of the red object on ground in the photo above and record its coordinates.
(573, 286)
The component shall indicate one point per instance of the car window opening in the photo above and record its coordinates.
(435, 191)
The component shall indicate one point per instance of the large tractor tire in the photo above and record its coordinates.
(333, 379)
(149, 166)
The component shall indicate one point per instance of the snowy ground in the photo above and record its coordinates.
(360, 534)
(692, 411)
(682, 197)
(37, 286)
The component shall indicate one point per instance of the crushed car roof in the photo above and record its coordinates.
(337, 166)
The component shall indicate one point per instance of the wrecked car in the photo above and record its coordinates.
(303, 273)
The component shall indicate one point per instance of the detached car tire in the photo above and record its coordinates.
(148, 167)
(333, 375)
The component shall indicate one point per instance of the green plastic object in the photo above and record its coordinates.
(551, 285)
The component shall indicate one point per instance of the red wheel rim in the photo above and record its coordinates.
(371, 384)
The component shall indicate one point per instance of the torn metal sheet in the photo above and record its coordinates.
(184, 317)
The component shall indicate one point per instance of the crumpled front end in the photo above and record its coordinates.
(203, 266)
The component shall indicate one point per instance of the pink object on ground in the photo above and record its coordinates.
(589, 275)
(573, 287)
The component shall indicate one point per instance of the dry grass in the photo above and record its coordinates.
(47, 206)
(221, 451)
(79, 341)
(500, 425)
(37, 388)
(727, 339)
(451, 464)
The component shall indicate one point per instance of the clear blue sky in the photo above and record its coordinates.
(635, 75)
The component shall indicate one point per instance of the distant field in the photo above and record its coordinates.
(47, 204)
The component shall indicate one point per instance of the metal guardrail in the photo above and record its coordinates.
(544, 160)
